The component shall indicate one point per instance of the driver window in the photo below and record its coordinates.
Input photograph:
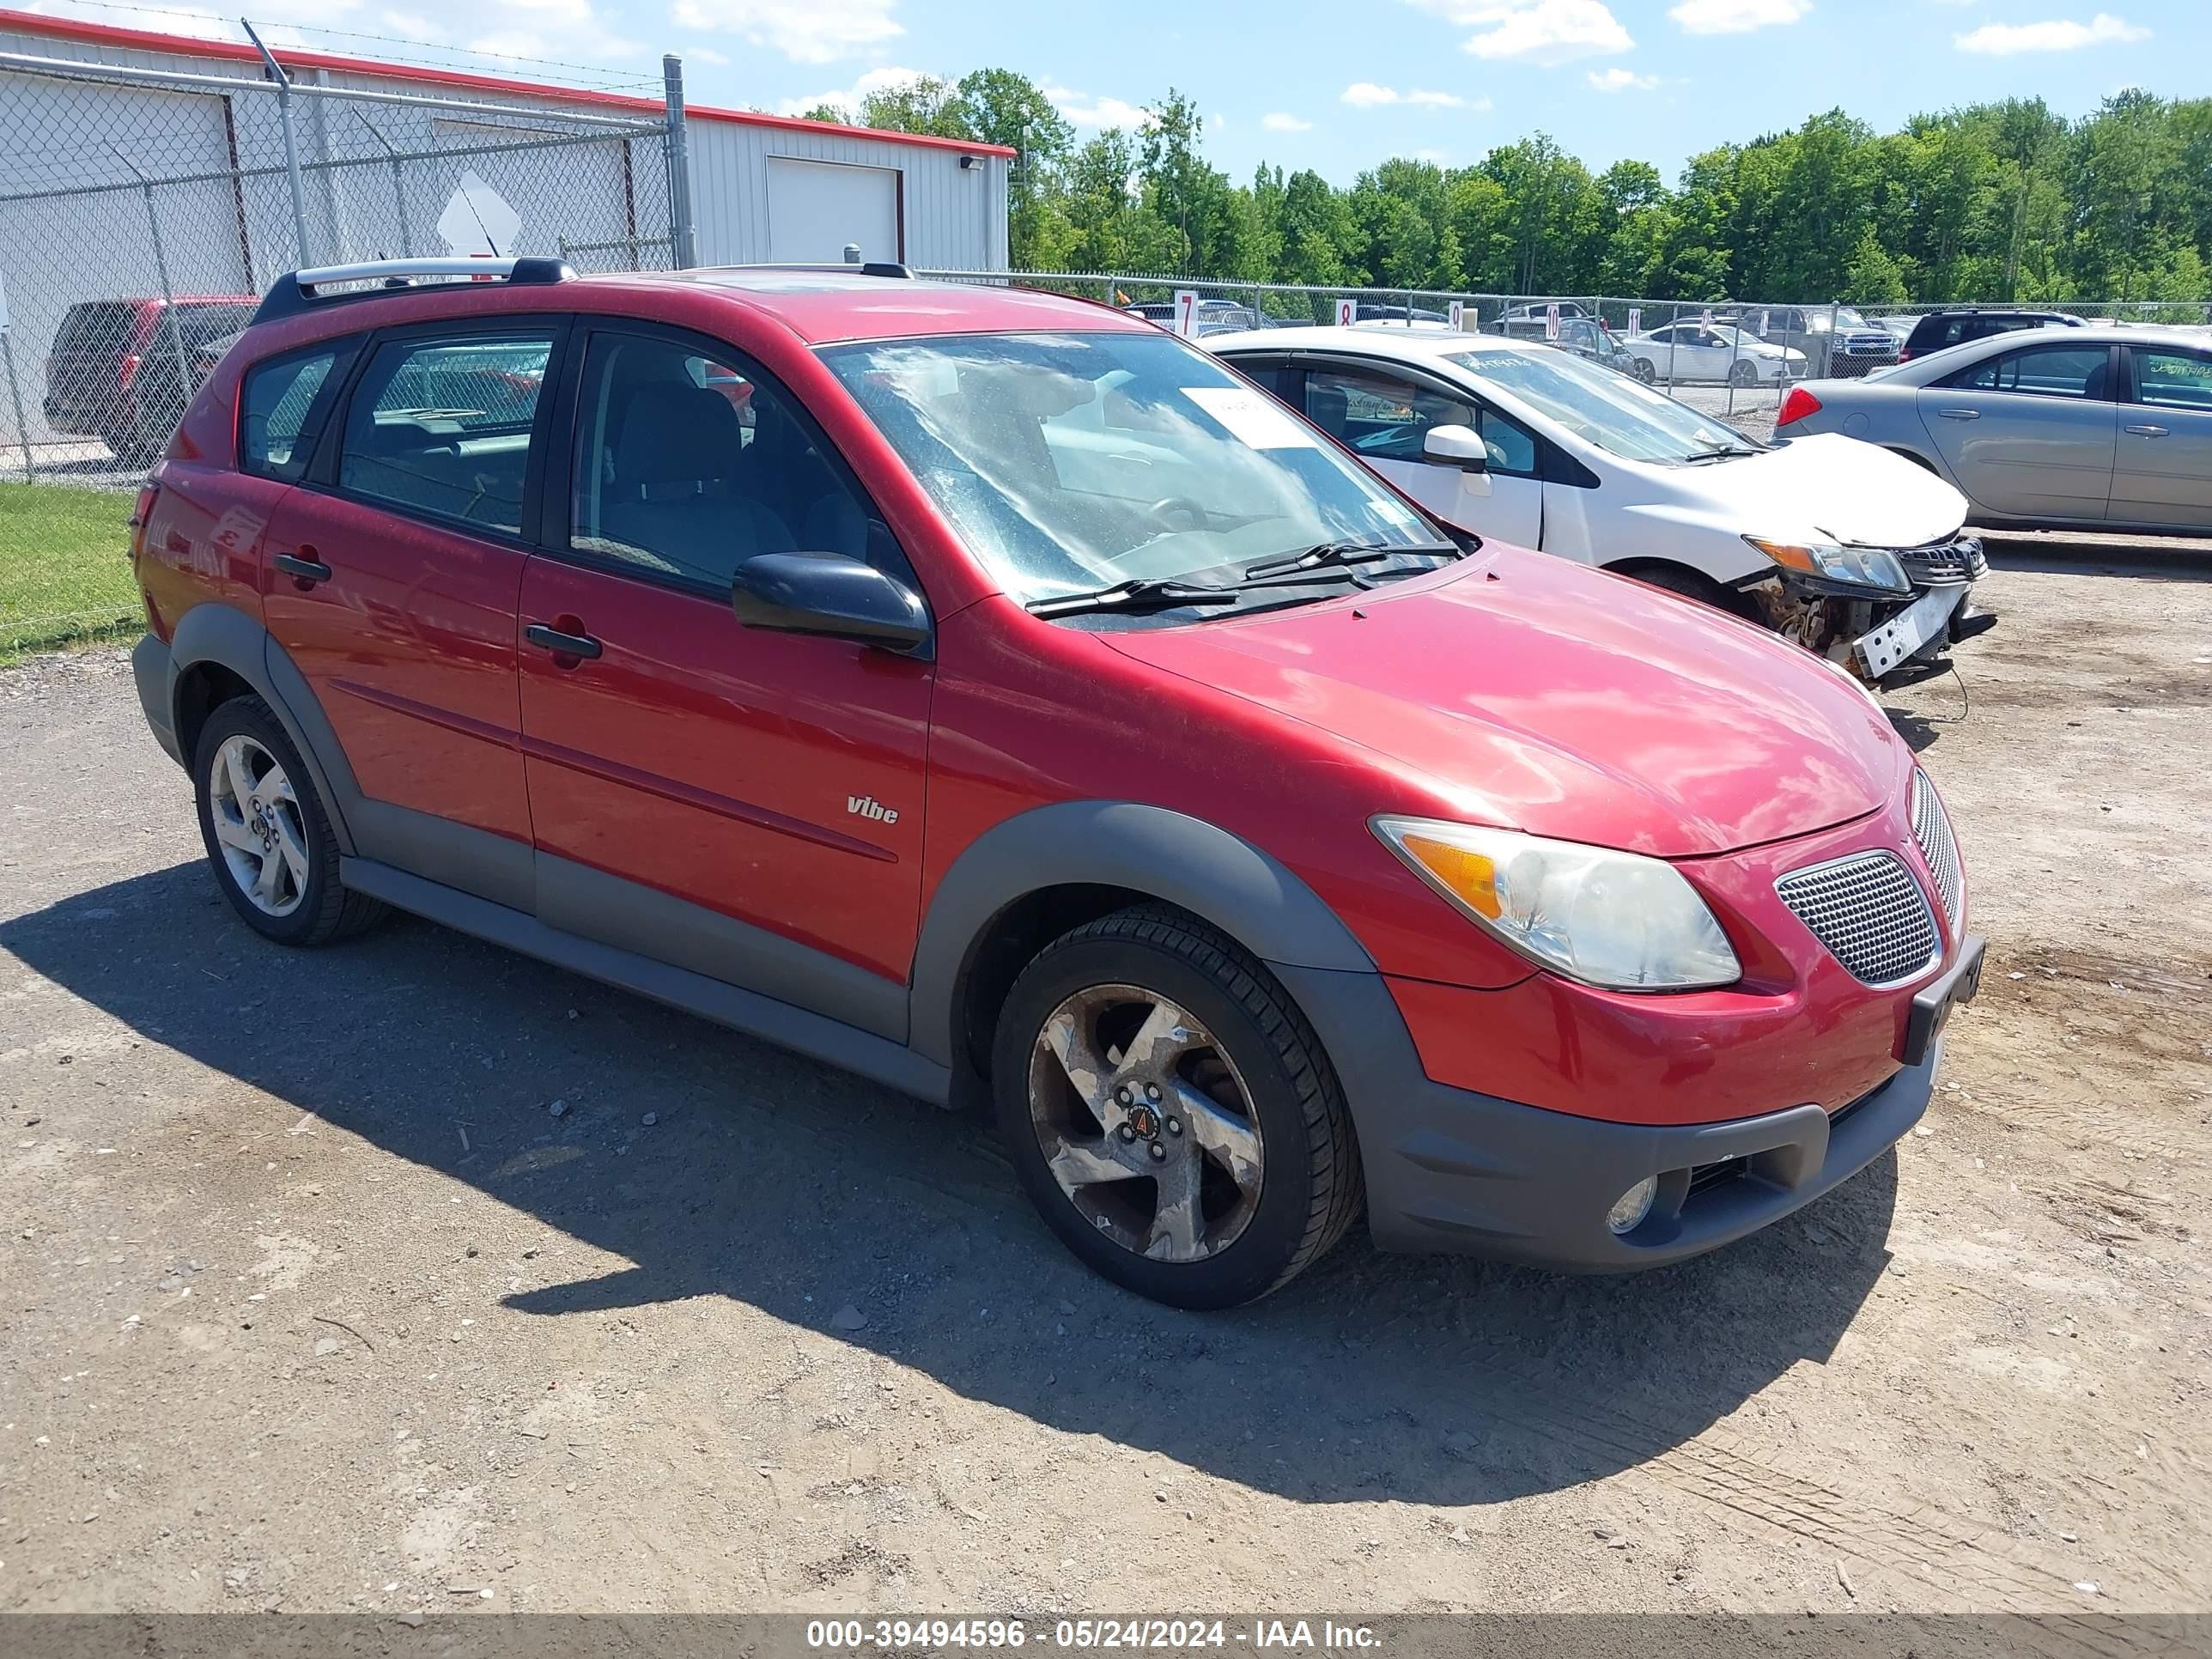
(1379, 417)
(1512, 448)
(686, 466)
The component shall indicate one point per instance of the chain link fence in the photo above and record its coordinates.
(144, 212)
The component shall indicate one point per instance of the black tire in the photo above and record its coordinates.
(1644, 370)
(132, 449)
(1742, 374)
(1310, 1188)
(325, 910)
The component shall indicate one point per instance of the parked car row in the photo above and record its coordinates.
(992, 694)
(1855, 554)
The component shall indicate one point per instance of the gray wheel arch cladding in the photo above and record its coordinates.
(1168, 856)
(227, 637)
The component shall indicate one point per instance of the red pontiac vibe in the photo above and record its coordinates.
(985, 690)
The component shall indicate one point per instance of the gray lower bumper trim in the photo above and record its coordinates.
(149, 666)
(1450, 1169)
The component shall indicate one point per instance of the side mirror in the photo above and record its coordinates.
(1457, 446)
(828, 595)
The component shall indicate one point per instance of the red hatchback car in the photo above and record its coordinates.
(987, 692)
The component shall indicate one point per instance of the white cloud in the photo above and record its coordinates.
(2003, 39)
(1277, 121)
(1436, 157)
(804, 31)
(1082, 110)
(1365, 95)
(1542, 31)
(1735, 16)
(1620, 80)
(848, 99)
(705, 55)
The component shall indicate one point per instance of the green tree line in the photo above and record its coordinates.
(2002, 201)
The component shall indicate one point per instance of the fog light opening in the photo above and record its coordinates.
(1629, 1210)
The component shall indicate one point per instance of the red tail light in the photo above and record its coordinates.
(127, 371)
(1797, 406)
(1903, 354)
(139, 516)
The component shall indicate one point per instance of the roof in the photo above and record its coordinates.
(828, 305)
(1384, 339)
(236, 51)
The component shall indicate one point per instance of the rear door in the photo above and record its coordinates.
(2162, 466)
(392, 579)
(1383, 416)
(2029, 433)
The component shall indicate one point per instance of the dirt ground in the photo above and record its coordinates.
(314, 1300)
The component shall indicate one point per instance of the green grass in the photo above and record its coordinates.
(64, 567)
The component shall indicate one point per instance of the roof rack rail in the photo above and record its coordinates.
(296, 291)
(865, 268)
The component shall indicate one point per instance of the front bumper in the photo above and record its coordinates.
(1453, 1169)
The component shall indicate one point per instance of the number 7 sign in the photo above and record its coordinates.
(1186, 313)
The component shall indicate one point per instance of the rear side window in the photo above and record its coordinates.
(281, 406)
(442, 426)
(2048, 371)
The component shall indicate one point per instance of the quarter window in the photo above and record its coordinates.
(2174, 380)
(281, 406)
(687, 466)
(2051, 371)
(442, 426)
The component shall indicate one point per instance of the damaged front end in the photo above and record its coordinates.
(1877, 634)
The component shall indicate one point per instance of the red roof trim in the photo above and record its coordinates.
(71, 28)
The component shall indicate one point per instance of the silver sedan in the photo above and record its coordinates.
(2103, 427)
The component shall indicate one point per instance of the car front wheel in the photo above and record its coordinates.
(1643, 369)
(1171, 1112)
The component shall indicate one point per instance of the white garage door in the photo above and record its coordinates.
(816, 208)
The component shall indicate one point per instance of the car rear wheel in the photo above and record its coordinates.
(268, 838)
(1171, 1114)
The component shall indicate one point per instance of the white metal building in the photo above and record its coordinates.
(763, 188)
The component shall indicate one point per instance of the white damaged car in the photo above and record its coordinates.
(1855, 553)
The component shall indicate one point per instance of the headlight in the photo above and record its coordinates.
(1862, 566)
(1615, 919)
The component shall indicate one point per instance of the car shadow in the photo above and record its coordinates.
(799, 1190)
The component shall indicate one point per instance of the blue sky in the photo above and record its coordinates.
(1335, 85)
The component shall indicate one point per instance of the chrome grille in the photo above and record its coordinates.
(1931, 828)
(1945, 564)
(1868, 911)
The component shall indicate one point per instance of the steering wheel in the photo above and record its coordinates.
(1169, 509)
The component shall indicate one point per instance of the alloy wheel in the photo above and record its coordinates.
(1145, 1123)
(258, 826)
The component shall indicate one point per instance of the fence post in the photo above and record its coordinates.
(681, 247)
(276, 72)
(399, 185)
(1112, 288)
(15, 395)
(169, 317)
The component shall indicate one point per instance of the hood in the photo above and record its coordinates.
(1830, 486)
(1537, 695)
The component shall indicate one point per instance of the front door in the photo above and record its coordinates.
(2029, 433)
(1384, 417)
(394, 571)
(744, 804)
(2162, 465)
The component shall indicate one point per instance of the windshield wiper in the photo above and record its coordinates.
(1326, 553)
(1137, 593)
(1721, 452)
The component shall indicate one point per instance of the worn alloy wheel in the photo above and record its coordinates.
(1171, 1112)
(1145, 1123)
(1743, 373)
(255, 817)
(1644, 370)
(268, 837)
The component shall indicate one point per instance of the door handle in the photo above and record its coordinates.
(1960, 414)
(2148, 431)
(303, 567)
(561, 644)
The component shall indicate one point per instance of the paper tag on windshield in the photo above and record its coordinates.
(1253, 417)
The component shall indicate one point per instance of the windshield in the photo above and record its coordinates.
(1604, 407)
(1069, 462)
